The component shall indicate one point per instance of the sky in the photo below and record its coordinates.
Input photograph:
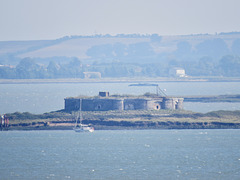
(53, 19)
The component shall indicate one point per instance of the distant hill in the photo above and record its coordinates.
(78, 47)
(129, 46)
(122, 56)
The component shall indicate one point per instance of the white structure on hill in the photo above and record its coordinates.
(177, 72)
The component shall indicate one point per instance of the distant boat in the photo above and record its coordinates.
(79, 127)
(83, 128)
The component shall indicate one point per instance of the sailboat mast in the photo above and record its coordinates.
(80, 111)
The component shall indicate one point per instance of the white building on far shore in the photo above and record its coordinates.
(177, 72)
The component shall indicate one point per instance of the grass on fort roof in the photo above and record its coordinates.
(146, 95)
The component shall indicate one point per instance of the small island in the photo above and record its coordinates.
(138, 112)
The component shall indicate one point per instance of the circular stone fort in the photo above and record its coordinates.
(105, 102)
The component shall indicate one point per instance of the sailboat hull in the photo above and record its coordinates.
(83, 129)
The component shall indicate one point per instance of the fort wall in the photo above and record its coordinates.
(106, 104)
(172, 103)
(72, 104)
(135, 104)
(102, 104)
(179, 103)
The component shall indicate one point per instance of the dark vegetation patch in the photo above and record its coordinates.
(30, 116)
(188, 115)
(223, 113)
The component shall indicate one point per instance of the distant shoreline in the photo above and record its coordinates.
(119, 80)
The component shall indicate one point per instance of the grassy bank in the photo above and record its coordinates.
(207, 99)
(163, 119)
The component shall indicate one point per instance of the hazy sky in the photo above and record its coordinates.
(51, 19)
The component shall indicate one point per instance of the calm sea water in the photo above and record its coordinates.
(40, 98)
(138, 154)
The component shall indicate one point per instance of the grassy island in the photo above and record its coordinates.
(132, 119)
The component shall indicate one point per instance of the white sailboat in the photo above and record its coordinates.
(79, 127)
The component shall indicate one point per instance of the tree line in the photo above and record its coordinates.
(210, 57)
(27, 68)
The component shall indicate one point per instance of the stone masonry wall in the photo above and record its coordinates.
(102, 104)
(72, 104)
(106, 104)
